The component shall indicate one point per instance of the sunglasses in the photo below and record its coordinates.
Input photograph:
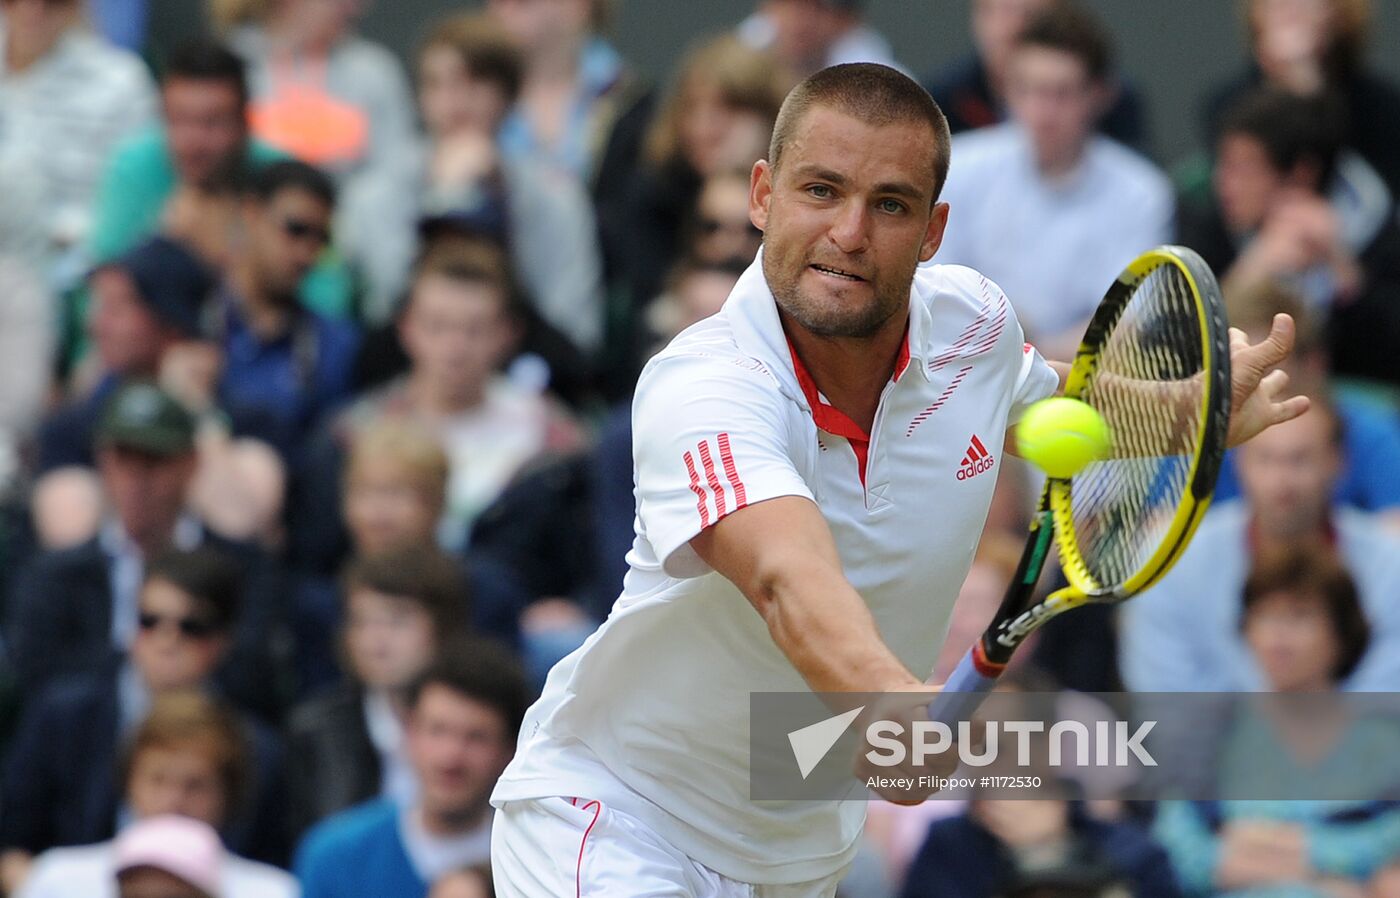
(305, 230)
(189, 627)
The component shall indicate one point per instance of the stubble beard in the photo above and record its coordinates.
(833, 319)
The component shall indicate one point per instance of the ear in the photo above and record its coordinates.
(760, 193)
(933, 237)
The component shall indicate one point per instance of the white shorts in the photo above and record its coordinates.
(581, 848)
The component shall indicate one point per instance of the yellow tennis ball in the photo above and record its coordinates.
(1061, 435)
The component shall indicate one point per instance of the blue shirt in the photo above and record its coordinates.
(358, 852)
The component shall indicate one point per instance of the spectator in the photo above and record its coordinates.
(469, 74)
(1042, 205)
(464, 715)
(280, 359)
(59, 787)
(401, 605)
(1183, 634)
(718, 116)
(144, 304)
(1312, 47)
(807, 35)
(471, 882)
(1307, 632)
(70, 610)
(720, 232)
(187, 758)
(329, 97)
(973, 91)
(1370, 478)
(67, 98)
(1287, 206)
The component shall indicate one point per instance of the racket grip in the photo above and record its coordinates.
(962, 694)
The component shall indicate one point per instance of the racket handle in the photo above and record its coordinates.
(962, 694)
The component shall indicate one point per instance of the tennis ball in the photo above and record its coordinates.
(1061, 435)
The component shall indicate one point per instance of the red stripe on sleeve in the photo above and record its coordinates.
(726, 456)
(711, 478)
(698, 490)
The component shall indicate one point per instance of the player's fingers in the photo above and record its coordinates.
(1290, 408)
(1273, 383)
(1276, 347)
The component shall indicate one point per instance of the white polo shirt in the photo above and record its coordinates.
(651, 713)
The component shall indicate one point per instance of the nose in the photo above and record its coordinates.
(850, 230)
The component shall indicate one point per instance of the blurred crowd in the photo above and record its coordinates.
(315, 450)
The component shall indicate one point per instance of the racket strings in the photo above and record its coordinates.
(1148, 389)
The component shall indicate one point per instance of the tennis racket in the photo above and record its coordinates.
(1155, 363)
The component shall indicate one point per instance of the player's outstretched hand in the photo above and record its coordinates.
(908, 782)
(1259, 397)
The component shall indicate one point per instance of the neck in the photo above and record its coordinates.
(437, 400)
(555, 66)
(267, 315)
(451, 823)
(851, 372)
(1057, 166)
(1272, 538)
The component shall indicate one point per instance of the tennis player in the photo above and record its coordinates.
(814, 466)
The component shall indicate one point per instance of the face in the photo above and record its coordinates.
(206, 127)
(147, 491)
(702, 294)
(995, 26)
(846, 218)
(321, 22)
(179, 643)
(38, 22)
(1052, 96)
(1288, 30)
(723, 230)
(386, 506)
(1288, 473)
(458, 747)
(389, 638)
(543, 25)
(180, 780)
(286, 236)
(803, 31)
(128, 338)
(456, 333)
(1246, 182)
(1293, 641)
(709, 126)
(452, 101)
(148, 882)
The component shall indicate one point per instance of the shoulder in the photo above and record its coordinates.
(706, 355)
(1367, 543)
(117, 67)
(348, 833)
(75, 562)
(146, 149)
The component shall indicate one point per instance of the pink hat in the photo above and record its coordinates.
(182, 847)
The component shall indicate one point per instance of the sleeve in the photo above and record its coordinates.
(710, 436)
(1035, 380)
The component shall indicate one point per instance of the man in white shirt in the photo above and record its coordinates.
(1044, 205)
(789, 453)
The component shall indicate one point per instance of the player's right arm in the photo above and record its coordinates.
(781, 556)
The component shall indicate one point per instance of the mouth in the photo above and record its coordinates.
(834, 272)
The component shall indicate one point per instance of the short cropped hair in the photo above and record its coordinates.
(208, 575)
(193, 721)
(266, 181)
(416, 450)
(1070, 29)
(482, 670)
(420, 574)
(205, 59)
(1291, 129)
(1313, 571)
(485, 49)
(875, 94)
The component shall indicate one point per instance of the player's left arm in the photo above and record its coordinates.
(1258, 387)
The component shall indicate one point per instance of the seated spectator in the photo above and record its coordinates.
(280, 359)
(144, 304)
(346, 747)
(464, 715)
(469, 76)
(717, 117)
(70, 610)
(1306, 629)
(1313, 47)
(1370, 478)
(1183, 635)
(67, 98)
(972, 92)
(1287, 206)
(807, 35)
(1003, 846)
(59, 787)
(188, 758)
(471, 882)
(1043, 205)
(720, 232)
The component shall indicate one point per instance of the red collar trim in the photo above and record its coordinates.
(828, 417)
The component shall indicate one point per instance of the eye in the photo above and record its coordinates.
(893, 207)
(820, 191)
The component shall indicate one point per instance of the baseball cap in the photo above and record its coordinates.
(144, 417)
(171, 280)
(183, 847)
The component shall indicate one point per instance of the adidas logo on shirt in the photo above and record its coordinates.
(977, 460)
